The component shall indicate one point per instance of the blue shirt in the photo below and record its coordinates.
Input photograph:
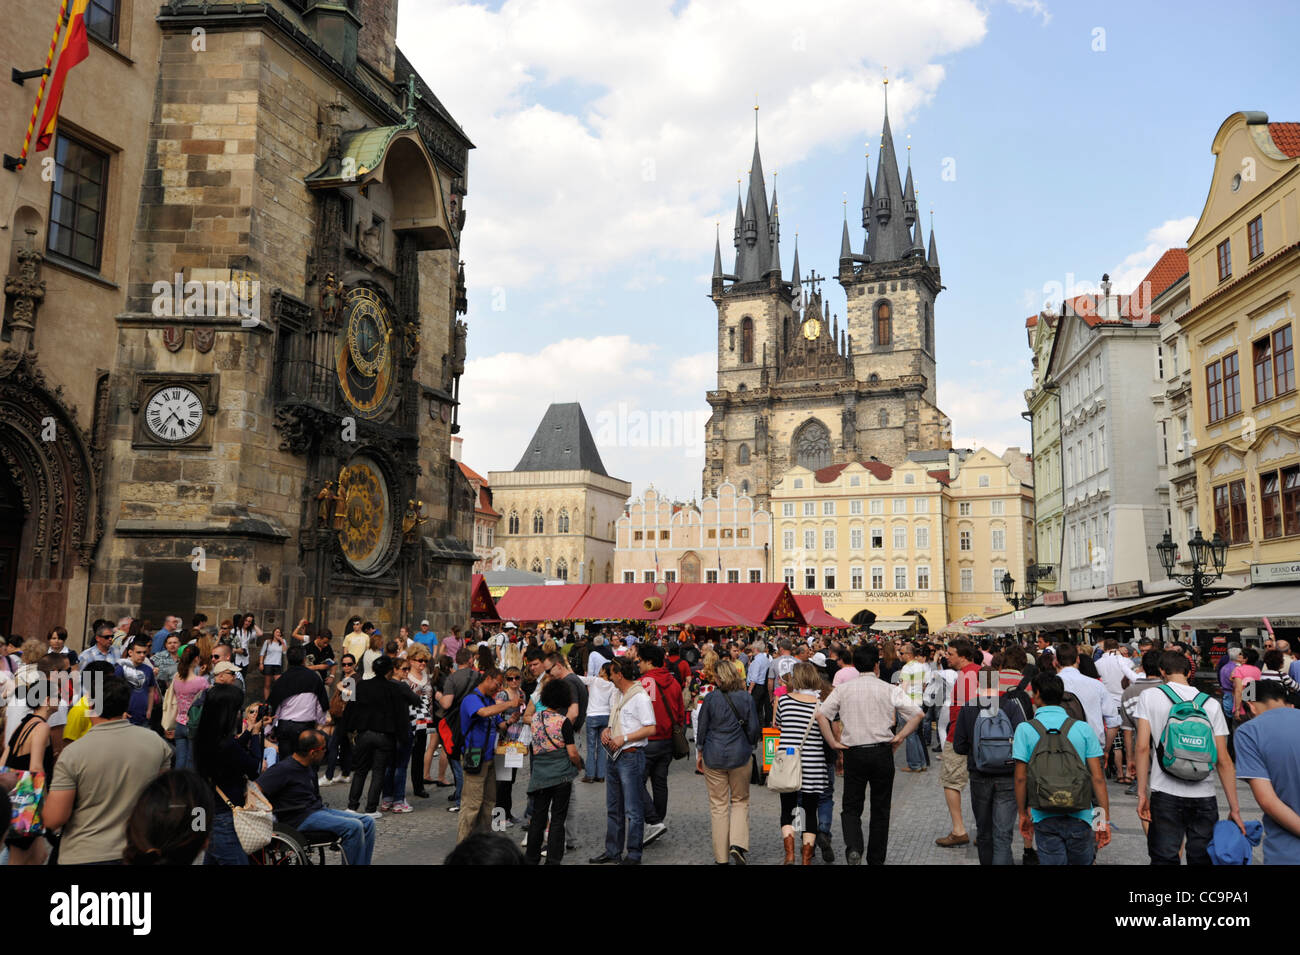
(160, 639)
(1268, 747)
(757, 674)
(142, 682)
(1081, 737)
(478, 730)
(1294, 671)
(429, 639)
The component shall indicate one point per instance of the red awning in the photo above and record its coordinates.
(623, 601)
(816, 614)
(540, 602)
(757, 604)
(481, 604)
(704, 614)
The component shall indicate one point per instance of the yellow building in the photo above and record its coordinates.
(1244, 262)
(928, 540)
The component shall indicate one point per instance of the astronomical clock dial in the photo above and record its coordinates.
(366, 359)
(174, 414)
(812, 329)
(367, 521)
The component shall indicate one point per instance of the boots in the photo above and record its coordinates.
(789, 851)
(808, 849)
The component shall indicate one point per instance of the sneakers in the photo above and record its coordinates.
(403, 806)
(653, 831)
(854, 858)
(824, 843)
(1132, 789)
(385, 805)
(737, 856)
(951, 840)
(372, 815)
(453, 808)
(602, 859)
(322, 781)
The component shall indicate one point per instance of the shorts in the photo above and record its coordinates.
(271, 669)
(953, 773)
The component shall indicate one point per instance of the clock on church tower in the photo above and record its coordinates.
(365, 359)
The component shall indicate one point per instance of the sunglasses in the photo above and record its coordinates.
(512, 679)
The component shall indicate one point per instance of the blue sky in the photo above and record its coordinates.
(610, 137)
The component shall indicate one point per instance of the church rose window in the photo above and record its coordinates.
(812, 446)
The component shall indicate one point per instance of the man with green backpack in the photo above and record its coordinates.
(1060, 787)
(1182, 740)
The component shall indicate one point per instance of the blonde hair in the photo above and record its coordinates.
(709, 664)
(728, 678)
(34, 649)
(417, 651)
(804, 676)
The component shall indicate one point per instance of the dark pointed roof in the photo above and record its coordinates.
(775, 264)
(794, 277)
(909, 194)
(562, 442)
(932, 259)
(867, 211)
(918, 247)
(846, 250)
(889, 240)
(717, 255)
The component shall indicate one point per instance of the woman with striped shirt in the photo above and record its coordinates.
(796, 719)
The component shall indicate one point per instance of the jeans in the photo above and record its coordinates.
(357, 833)
(1064, 840)
(623, 804)
(223, 844)
(914, 746)
(868, 766)
(374, 753)
(458, 774)
(1172, 818)
(654, 795)
(993, 801)
(550, 806)
(826, 802)
(184, 751)
(597, 755)
(395, 774)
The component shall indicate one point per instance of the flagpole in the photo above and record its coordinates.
(45, 78)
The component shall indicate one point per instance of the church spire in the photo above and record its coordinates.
(866, 195)
(890, 239)
(794, 277)
(918, 248)
(717, 252)
(774, 231)
(909, 193)
(846, 249)
(932, 259)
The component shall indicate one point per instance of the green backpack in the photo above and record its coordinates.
(1058, 778)
(1187, 749)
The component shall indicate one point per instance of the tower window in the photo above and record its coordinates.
(884, 324)
(884, 418)
(747, 341)
(925, 329)
(731, 339)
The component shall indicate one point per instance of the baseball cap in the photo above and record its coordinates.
(225, 666)
(510, 626)
(424, 623)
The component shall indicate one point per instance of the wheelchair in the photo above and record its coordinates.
(288, 846)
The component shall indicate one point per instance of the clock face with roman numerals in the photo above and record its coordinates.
(174, 414)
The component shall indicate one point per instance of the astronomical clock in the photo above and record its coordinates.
(365, 356)
(367, 525)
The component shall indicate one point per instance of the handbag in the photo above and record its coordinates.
(170, 708)
(681, 746)
(786, 775)
(25, 799)
(254, 820)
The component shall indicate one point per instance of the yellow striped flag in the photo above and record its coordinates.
(75, 49)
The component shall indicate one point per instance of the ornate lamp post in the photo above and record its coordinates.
(1205, 553)
(1019, 601)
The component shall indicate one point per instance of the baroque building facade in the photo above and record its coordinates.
(794, 387)
(259, 284)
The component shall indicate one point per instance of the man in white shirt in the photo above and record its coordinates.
(1176, 808)
(1099, 706)
(1116, 671)
(631, 724)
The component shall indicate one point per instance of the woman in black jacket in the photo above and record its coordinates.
(226, 754)
(382, 705)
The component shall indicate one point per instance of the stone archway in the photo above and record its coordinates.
(50, 485)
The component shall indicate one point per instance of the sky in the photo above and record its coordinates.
(1053, 141)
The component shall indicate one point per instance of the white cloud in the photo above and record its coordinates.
(987, 415)
(1133, 268)
(1033, 7)
(608, 134)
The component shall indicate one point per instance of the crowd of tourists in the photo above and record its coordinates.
(110, 752)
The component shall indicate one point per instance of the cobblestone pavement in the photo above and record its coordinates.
(919, 817)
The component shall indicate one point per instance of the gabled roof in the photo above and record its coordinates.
(1286, 137)
(944, 476)
(879, 469)
(1170, 267)
(562, 442)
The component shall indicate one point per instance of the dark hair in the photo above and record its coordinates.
(308, 740)
(297, 655)
(198, 620)
(534, 653)
(556, 696)
(343, 660)
(161, 829)
(1088, 667)
(463, 656)
(1273, 660)
(963, 648)
(486, 657)
(223, 712)
(556, 658)
(489, 673)
(1250, 656)
(1049, 687)
(1171, 661)
(865, 658)
(325, 632)
(1266, 690)
(1015, 658)
(382, 666)
(114, 697)
(485, 848)
(60, 632)
(652, 654)
(391, 648)
(1151, 663)
(1066, 654)
(627, 668)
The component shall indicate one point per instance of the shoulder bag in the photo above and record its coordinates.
(254, 820)
(170, 708)
(786, 775)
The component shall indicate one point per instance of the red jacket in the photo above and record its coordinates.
(681, 667)
(666, 696)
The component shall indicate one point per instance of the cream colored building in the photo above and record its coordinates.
(558, 505)
(931, 537)
(1244, 262)
(723, 539)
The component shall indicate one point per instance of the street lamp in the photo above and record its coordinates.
(1019, 601)
(1205, 554)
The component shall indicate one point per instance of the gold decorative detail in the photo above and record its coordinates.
(363, 514)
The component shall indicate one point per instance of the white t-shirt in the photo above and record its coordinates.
(1154, 706)
(635, 714)
(1113, 670)
(272, 653)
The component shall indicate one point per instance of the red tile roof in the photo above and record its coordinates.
(1286, 137)
(1171, 267)
(879, 469)
(485, 504)
(471, 473)
(828, 474)
(942, 476)
(1031, 321)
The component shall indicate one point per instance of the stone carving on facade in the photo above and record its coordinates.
(204, 339)
(812, 445)
(27, 290)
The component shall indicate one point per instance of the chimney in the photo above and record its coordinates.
(456, 441)
(334, 26)
(954, 463)
(377, 45)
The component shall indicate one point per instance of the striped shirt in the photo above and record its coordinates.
(792, 717)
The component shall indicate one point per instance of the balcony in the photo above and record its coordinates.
(305, 382)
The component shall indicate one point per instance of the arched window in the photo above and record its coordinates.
(591, 523)
(539, 523)
(562, 569)
(562, 523)
(812, 445)
(926, 330)
(536, 568)
(884, 324)
(884, 418)
(785, 332)
(512, 524)
(742, 456)
(747, 340)
(609, 573)
(873, 379)
(731, 339)
(744, 487)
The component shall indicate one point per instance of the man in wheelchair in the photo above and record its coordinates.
(294, 791)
